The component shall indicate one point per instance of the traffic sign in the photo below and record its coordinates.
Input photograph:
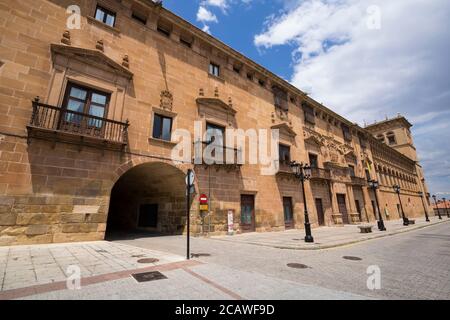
(203, 199)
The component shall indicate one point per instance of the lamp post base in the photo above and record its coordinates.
(381, 226)
(308, 238)
(405, 222)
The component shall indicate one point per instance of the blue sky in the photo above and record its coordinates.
(365, 59)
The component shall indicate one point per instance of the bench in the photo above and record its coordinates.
(365, 228)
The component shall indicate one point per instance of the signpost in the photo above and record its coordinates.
(203, 199)
(190, 178)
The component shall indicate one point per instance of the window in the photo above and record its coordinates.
(237, 69)
(362, 141)
(163, 29)
(215, 134)
(280, 98)
(313, 161)
(261, 82)
(186, 41)
(284, 154)
(309, 113)
(346, 132)
(250, 76)
(81, 100)
(391, 138)
(106, 16)
(214, 69)
(380, 138)
(139, 17)
(352, 170)
(162, 127)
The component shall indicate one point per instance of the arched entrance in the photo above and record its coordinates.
(148, 198)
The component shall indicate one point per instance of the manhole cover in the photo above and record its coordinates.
(198, 255)
(352, 258)
(148, 260)
(149, 276)
(297, 266)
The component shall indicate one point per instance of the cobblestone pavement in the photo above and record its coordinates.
(414, 265)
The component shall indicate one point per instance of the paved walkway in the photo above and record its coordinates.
(24, 266)
(326, 237)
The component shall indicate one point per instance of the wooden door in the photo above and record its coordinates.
(247, 213)
(343, 208)
(320, 213)
(288, 213)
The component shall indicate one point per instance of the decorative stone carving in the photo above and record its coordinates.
(201, 92)
(216, 92)
(282, 114)
(66, 38)
(166, 101)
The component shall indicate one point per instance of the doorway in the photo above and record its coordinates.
(358, 209)
(247, 213)
(288, 213)
(343, 208)
(320, 213)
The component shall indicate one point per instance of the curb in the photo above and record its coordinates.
(323, 247)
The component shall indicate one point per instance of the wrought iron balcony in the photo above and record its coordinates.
(219, 155)
(55, 123)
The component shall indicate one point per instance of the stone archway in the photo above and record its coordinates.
(148, 197)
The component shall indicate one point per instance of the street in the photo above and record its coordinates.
(413, 265)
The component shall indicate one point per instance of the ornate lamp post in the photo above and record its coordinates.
(303, 172)
(397, 190)
(374, 185)
(437, 208)
(446, 211)
(424, 208)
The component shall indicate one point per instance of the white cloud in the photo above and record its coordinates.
(222, 4)
(206, 29)
(365, 74)
(204, 15)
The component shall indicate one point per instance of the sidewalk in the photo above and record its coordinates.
(326, 237)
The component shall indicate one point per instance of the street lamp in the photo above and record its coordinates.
(437, 208)
(303, 172)
(397, 190)
(374, 185)
(446, 211)
(424, 209)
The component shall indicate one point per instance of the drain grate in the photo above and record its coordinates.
(297, 266)
(352, 258)
(198, 255)
(148, 260)
(101, 251)
(138, 255)
(148, 276)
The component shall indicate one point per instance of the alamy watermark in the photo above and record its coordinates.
(73, 281)
(374, 278)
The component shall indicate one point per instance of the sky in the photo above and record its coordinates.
(364, 59)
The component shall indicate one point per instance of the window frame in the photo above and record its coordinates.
(87, 103)
(313, 156)
(161, 131)
(212, 68)
(136, 17)
(285, 147)
(346, 132)
(106, 13)
(211, 125)
(309, 113)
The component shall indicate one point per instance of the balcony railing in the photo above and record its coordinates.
(51, 119)
(358, 181)
(320, 174)
(218, 155)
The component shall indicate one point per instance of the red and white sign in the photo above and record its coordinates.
(203, 199)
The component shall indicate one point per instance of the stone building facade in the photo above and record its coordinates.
(87, 126)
